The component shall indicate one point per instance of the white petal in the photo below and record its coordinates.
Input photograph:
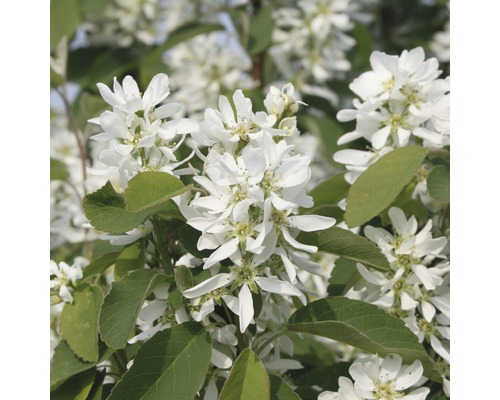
(418, 394)
(310, 223)
(409, 375)
(390, 367)
(223, 252)
(215, 282)
(154, 310)
(246, 307)
(297, 245)
(379, 138)
(280, 287)
(220, 360)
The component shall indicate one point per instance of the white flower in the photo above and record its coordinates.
(65, 278)
(403, 102)
(228, 126)
(244, 277)
(386, 379)
(139, 131)
(131, 236)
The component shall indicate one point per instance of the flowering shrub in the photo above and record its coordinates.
(225, 226)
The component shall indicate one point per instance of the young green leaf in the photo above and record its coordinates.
(345, 243)
(438, 184)
(280, 390)
(149, 189)
(79, 322)
(361, 325)
(171, 365)
(247, 380)
(105, 208)
(378, 186)
(122, 304)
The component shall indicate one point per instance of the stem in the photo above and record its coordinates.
(269, 341)
(228, 314)
(257, 59)
(120, 360)
(158, 241)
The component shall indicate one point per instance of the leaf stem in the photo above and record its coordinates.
(267, 342)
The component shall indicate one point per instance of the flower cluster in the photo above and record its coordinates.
(253, 185)
(139, 132)
(402, 102)
(124, 22)
(203, 68)
(310, 44)
(380, 378)
(417, 287)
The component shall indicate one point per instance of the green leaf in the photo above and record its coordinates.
(149, 189)
(122, 305)
(330, 191)
(183, 277)
(324, 377)
(94, 7)
(327, 130)
(172, 364)
(280, 389)
(79, 322)
(438, 184)
(99, 264)
(247, 380)
(189, 236)
(76, 388)
(96, 391)
(152, 62)
(327, 211)
(132, 257)
(345, 243)
(361, 325)
(378, 186)
(343, 277)
(107, 65)
(105, 209)
(66, 364)
(64, 19)
(58, 170)
(261, 29)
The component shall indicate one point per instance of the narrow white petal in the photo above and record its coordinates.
(273, 285)
(220, 360)
(154, 310)
(223, 252)
(297, 245)
(215, 282)
(246, 307)
(310, 223)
